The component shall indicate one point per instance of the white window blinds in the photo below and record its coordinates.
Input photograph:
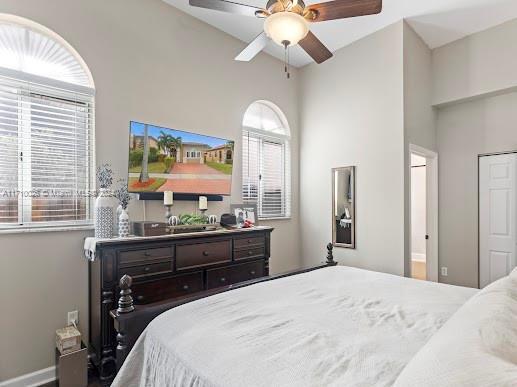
(266, 174)
(46, 143)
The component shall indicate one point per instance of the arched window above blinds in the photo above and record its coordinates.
(46, 129)
(266, 166)
(263, 115)
(24, 48)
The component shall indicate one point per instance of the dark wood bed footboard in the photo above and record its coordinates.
(130, 320)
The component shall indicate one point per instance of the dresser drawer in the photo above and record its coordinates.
(216, 278)
(131, 257)
(189, 256)
(247, 271)
(251, 252)
(229, 275)
(245, 243)
(158, 290)
(137, 272)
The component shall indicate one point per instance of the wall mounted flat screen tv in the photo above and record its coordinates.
(163, 159)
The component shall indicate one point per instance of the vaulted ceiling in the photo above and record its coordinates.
(438, 22)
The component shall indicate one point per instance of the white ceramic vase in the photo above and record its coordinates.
(117, 216)
(104, 214)
(123, 224)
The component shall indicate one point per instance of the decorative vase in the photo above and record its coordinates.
(104, 214)
(123, 224)
(117, 216)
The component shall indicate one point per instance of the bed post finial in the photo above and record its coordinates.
(125, 302)
(330, 256)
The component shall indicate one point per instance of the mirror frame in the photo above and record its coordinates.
(353, 233)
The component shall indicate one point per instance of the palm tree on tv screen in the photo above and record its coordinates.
(169, 143)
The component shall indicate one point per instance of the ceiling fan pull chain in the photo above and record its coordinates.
(288, 64)
(286, 58)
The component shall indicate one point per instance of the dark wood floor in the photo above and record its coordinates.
(93, 381)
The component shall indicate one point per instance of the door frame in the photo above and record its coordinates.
(432, 263)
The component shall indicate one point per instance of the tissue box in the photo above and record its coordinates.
(68, 340)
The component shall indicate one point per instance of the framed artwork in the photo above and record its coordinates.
(245, 212)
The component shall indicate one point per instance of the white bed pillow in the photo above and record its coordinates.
(513, 276)
(476, 347)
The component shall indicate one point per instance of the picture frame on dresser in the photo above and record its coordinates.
(245, 212)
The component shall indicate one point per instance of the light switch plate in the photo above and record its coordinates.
(444, 271)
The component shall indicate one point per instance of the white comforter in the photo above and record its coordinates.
(336, 326)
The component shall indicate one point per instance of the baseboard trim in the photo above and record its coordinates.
(34, 379)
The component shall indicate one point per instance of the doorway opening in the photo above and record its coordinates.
(418, 217)
(423, 175)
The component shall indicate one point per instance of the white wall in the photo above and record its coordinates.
(419, 115)
(352, 114)
(481, 63)
(465, 131)
(150, 63)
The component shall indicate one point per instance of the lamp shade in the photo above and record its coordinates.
(286, 27)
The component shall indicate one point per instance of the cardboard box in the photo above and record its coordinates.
(72, 368)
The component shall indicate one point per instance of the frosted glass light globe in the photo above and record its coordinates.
(286, 27)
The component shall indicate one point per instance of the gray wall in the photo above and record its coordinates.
(151, 63)
(352, 114)
(464, 131)
(419, 116)
(473, 80)
(476, 65)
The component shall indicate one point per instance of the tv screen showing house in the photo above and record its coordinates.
(163, 159)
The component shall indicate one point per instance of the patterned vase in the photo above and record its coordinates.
(123, 224)
(104, 214)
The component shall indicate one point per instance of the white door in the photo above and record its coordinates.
(497, 216)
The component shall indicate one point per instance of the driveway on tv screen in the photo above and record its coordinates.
(209, 178)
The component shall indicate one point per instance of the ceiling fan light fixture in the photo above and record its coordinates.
(284, 27)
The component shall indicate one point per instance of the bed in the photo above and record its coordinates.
(334, 326)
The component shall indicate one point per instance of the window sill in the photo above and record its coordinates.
(23, 230)
(271, 219)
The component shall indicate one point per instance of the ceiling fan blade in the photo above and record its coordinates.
(253, 48)
(313, 46)
(226, 6)
(341, 9)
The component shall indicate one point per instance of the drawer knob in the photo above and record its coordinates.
(250, 252)
(147, 254)
(140, 298)
(146, 269)
(223, 279)
(252, 272)
(249, 240)
(205, 253)
(185, 287)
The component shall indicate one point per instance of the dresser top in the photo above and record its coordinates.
(186, 235)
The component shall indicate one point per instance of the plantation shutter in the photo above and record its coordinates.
(46, 142)
(266, 174)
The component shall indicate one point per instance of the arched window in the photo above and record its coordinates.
(46, 129)
(266, 166)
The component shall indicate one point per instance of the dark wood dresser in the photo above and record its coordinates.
(165, 268)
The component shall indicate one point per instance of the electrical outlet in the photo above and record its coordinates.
(73, 317)
(444, 271)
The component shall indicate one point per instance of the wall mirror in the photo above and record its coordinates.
(343, 207)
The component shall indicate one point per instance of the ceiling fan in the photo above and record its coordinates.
(287, 22)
